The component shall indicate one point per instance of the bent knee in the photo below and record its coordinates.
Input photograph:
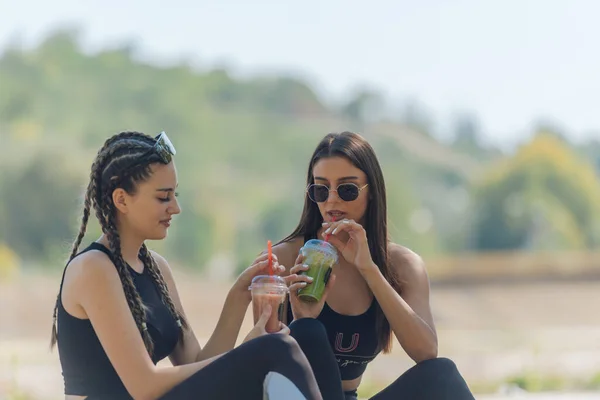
(438, 365)
(279, 344)
(308, 328)
(442, 362)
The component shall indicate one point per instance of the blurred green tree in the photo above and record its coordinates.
(543, 198)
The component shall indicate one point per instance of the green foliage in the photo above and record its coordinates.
(190, 238)
(38, 204)
(594, 382)
(536, 382)
(544, 198)
(9, 263)
(243, 148)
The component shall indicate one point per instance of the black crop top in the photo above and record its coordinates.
(86, 368)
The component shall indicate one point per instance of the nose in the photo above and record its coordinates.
(175, 208)
(331, 196)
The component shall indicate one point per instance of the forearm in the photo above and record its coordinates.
(228, 327)
(414, 334)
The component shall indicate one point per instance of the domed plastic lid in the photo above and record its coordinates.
(272, 281)
(322, 246)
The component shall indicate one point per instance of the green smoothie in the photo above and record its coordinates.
(320, 257)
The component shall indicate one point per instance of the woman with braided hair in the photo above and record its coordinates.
(118, 312)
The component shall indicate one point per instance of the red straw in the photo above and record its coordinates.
(329, 234)
(270, 250)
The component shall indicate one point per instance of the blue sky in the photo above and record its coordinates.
(511, 62)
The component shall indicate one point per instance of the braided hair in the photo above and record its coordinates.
(113, 168)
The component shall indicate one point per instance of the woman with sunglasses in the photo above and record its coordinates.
(381, 288)
(118, 312)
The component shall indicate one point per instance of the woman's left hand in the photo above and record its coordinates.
(356, 249)
(260, 266)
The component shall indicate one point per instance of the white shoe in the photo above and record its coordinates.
(278, 387)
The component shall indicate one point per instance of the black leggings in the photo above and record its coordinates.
(240, 373)
(435, 379)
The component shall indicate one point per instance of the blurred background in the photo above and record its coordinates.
(484, 116)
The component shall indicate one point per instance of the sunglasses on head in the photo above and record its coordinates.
(164, 148)
(346, 191)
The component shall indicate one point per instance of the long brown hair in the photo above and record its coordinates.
(359, 152)
(123, 162)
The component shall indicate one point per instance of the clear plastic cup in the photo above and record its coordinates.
(320, 256)
(269, 289)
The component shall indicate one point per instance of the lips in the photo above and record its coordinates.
(166, 222)
(336, 214)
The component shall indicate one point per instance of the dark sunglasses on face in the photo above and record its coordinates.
(345, 191)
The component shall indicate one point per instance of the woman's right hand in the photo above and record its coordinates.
(303, 309)
(260, 327)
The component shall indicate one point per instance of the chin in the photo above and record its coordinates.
(158, 235)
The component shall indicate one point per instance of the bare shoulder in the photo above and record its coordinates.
(291, 247)
(408, 265)
(287, 252)
(88, 277)
(88, 270)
